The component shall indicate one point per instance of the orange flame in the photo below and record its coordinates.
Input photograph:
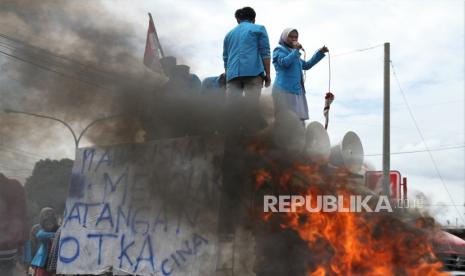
(355, 243)
(261, 177)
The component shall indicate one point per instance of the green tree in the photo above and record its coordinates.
(48, 186)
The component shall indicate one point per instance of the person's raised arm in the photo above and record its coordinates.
(319, 55)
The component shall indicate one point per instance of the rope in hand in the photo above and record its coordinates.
(329, 97)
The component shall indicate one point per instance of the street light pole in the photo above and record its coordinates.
(76, 141)
(76, 138)
(92, 124)
(387, 121)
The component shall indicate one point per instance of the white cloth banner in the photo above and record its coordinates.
(145, 209)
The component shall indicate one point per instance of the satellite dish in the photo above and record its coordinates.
(288, 132)
(348, 153)
(317, 144)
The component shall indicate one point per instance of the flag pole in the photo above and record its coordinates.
(156, 35)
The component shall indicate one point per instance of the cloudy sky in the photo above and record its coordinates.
(427, 50)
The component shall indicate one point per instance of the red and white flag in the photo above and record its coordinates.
(153, 51)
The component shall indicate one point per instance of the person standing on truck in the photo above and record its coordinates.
(246, 56)
(288, 89)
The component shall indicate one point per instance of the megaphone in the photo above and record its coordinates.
(317, 144)
(288, 132)
(348, 153)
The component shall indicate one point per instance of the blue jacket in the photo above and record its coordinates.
(41, 256)
(212, 84)
(244, 48)
(289, 66)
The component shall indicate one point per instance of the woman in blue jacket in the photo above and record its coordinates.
(288, 89)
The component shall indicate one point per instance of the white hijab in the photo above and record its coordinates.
(284, 35)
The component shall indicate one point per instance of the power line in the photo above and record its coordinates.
(51, 70)
(416, 151)
(48, 54)
(415, 123)
(25, 155)
(456, 101)
(88, 71)
(51, 59)
(351, 123)
(442, 204)
(16, 177)
(49, 63)
(22, 152)
(16, 170)
(21, 159)
(71, 69)
(358, 50)
(401, 107)
(423, 139)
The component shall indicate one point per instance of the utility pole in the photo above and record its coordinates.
(387, 121)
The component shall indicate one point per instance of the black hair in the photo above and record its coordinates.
(237, 14)
(246, 13)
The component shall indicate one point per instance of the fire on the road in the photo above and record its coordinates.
(346, 243)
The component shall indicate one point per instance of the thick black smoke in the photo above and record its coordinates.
(74, 61)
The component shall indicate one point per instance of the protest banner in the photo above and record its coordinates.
(145, 209)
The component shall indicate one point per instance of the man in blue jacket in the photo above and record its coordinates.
(246, 56)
